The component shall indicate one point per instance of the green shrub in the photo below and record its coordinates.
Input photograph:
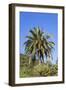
(34, 69)
(42, 70)
(54, 70)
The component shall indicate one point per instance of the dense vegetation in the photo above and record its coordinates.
(38, 47)
(34, 69)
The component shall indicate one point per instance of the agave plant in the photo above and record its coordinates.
(38, 44)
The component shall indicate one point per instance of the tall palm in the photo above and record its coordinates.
(37, 44)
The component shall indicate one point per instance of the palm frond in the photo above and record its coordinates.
(29, 37)
(33, 33)
(38, 43)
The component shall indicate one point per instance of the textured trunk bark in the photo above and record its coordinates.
(29, 60)
(43, 60)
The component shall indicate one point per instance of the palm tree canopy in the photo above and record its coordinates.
(38, 43)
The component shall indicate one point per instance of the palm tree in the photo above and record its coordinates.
(37, 44)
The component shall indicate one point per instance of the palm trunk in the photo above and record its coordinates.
(43, 59)
(29, 60)
(39, 58)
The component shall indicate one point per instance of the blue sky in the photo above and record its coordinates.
(48, 22)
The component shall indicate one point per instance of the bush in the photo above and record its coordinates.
(35, 70)
(41, 70)
(54, 70)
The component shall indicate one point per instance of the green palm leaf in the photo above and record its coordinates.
(38, 43)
